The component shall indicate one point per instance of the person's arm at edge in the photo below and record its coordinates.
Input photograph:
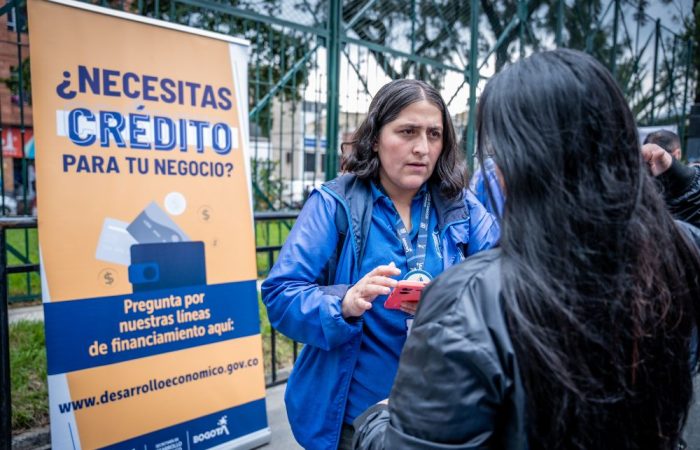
(680, 179)
(681, 183)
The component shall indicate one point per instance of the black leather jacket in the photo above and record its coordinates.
(458, 385)
(681, 185)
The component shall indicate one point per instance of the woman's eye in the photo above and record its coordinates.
(435, 134)
(407, 131)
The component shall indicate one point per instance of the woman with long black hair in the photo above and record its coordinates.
(577, 332)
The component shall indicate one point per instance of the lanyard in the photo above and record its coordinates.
(415, 259)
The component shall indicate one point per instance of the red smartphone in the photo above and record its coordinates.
(405, 291)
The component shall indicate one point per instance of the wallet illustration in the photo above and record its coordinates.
(158, 253)
(167, 265)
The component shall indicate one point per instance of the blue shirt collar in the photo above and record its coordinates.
(379, 193)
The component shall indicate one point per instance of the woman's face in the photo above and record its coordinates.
(409, 147)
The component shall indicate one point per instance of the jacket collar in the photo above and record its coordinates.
(357, 199)
(448, 210)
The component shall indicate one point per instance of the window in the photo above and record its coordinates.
(309, 162)
(12, 19)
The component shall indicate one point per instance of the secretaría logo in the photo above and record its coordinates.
(220, 430)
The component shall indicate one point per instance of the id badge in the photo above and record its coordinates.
(418, 275)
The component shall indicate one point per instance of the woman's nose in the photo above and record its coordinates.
(420, 145)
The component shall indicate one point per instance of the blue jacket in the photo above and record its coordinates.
(478, 186)
(305, 306)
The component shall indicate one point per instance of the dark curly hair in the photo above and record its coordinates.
(392, 98)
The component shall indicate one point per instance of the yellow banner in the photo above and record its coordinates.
(145, 230)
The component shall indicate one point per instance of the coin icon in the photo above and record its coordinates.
(175, 203)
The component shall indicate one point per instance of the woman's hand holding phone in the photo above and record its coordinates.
(360, 296)
(409, 307)
(405, 296)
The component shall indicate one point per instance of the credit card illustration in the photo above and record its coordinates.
(167, 265)
(115, 243)
(153, 225)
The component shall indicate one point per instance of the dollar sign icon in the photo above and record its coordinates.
(205, 213)
(107, 276)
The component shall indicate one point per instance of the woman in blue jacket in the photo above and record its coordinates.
(400, 212)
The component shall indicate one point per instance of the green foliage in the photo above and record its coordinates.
(30, 406)
(25, 243)
(284, 347)
(439, 29)
(13, 81)
(270, 234)
(267, 186)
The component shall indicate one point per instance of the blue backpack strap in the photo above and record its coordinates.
(341, 224)
(357, 197)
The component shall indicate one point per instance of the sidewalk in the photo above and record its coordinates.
(282, 438)
(30, 313)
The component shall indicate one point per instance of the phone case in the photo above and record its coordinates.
(405, 291)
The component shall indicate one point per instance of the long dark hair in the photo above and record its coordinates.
(599, 284)
(385, 107)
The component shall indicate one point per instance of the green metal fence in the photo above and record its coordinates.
(315, 64)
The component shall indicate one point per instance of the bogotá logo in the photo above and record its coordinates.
(220, 430)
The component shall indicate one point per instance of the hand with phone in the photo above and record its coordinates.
(409, 307)
(405, 296)
(360, 296)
